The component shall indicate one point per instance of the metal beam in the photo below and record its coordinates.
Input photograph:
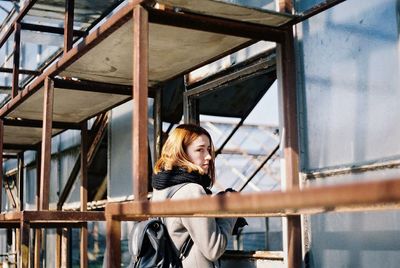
(39, 124)
(256, 68)
(216, 25)
(287, 85)
(99, 128)
(37, 234)
(22, 147)
(315, 10)
(47, 216)
(24, 253)
(59, 232)
(46, 143)
(190, 110)
(68, 25)
(16, 58)
(285, 6)
(21, 71)
(157, 117)
(21, 165)
(113, 240)
(1, 162)
(91, 86)
(49, 29)
(9, 156)
(84, 196)
(380, 194)
(140, 93)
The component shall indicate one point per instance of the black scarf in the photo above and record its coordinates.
(168, 178)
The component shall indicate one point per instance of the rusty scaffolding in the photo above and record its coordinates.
(70, 91)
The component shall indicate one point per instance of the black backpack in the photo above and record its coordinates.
(151, 246)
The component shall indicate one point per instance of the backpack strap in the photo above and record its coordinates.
(187, 245)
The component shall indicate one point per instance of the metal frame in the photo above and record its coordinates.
(291, 203)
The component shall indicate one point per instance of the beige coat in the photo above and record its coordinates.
(209, 235)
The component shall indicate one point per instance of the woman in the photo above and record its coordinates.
(186, 166)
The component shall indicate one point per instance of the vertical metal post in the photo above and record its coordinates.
(65, 247)
(46, 143)
(287, 78)
(58, 247)
(1, 162)
(21, 180)
(16, 56)
(38, 163)
(286, 6)
(37, 247)
(191, 110)
(84, 195)
(68, 25)
(24, 253)
(157, 115)
(113, 247)
(140, 94)
(21, 199)
(45, 159)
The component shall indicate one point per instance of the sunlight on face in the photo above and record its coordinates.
(199, 152)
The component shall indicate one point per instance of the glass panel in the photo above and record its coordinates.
(360, 239)
(350, 85)
(120, 150)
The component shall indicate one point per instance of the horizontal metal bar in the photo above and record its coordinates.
(62, 216)
(339, 171)
(100, 87)
(49, 29)
(315, 10)
(23, 147)
(11, 216)
(21, 71)
(57, 224)
(360, 196)
(39, 123)
(216, 25)
(254, 69)
(9, 224)
(9, 156)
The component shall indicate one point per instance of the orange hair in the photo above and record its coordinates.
(174, 154)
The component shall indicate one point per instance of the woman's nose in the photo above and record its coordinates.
(208, 156)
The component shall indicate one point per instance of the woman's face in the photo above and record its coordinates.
(199, 152)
